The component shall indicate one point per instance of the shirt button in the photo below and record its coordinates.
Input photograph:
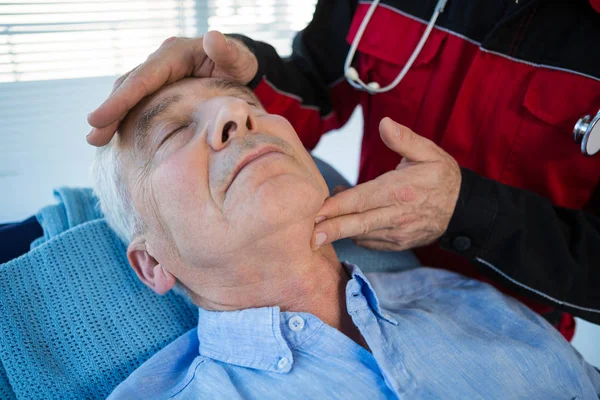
(283, 362)
(461, 243)
(296, 323)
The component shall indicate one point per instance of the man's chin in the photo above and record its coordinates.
(275, 198)
(267, 171)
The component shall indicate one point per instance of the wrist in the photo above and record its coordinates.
(474, 215)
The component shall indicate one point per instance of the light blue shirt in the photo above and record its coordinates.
(433, 335)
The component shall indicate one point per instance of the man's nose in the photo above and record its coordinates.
(235, 119)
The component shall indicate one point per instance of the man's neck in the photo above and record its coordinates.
(292, 276)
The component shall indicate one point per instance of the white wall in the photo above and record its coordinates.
(42, 140)
(42, 146)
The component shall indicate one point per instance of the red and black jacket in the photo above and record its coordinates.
(499, 85)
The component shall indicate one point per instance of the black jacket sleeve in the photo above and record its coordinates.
(521, 238)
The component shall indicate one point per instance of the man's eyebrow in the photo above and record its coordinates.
(236, 88)
(147, 117)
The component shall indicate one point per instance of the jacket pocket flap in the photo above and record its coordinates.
(560, 98)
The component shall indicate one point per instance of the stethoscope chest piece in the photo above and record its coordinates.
(587, 132)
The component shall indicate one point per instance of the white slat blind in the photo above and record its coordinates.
(49, 39)
(58, 59)
(57, 39)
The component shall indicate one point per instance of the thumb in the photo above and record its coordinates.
(221, 50)
(405, 142)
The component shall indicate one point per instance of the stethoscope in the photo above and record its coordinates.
(586, 130)
(374, 87)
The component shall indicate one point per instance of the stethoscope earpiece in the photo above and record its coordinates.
(352, 74)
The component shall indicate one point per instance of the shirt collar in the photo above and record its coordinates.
(259, 338)
(360, 294)
(249, 338)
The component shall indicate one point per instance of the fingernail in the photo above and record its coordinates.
(320, 238)
(88, 135)
(320, 218)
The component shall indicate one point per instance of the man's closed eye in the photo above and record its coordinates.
(173, 132)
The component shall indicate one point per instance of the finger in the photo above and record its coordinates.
(101, 136)
(369, 195)
(405, 142)
(339, 189)
(224, 52)
(121, 79)
(384, 234)
(352, 225)
(379, 245)
(205, 68)
(169, 64)
(134, 88)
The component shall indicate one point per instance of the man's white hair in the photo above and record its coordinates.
(111, 189)
(115, 199)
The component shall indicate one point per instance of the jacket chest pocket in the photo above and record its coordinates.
(544, 147)
(384, 49)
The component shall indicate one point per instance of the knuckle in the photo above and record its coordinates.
(336, 232)
(120, 81)
(331, 229)
(410, 137)
(380, 221)
(360, 204)
(397, 220)
(363, 227)
(169, 40)
(426, 142)
(139, 80)
(404, 193)
(397, 236)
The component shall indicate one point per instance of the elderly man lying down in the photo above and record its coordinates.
(218, 199)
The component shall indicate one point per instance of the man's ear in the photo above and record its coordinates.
(148, 269)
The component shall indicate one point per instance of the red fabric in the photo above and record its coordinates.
(596, 5)
(307, 121)
(507, 120)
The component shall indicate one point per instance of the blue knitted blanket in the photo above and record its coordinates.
(75, 319)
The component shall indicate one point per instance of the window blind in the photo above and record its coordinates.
(49, 39)
(57, 39)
